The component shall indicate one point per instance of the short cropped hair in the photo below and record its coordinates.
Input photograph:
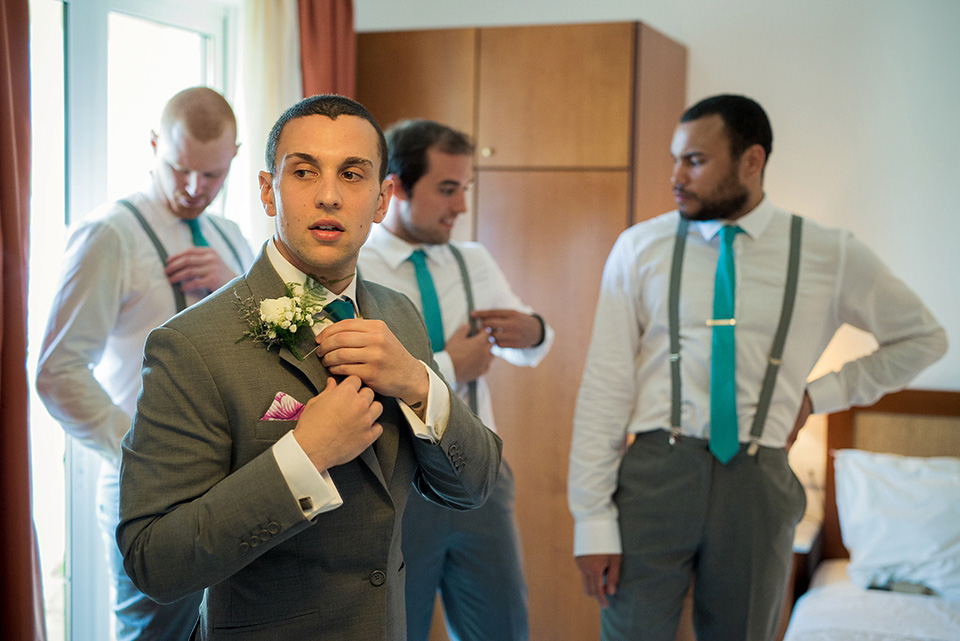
(331, 106)
(745, 121)
(204, 114)
(408, 142)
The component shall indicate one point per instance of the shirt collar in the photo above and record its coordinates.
(394, 250)
(290, 274)
(159, 214)
(754, 223)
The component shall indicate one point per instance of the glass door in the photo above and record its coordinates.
(96, 99)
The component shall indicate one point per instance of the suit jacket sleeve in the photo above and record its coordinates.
(182, 503)
(460, 471)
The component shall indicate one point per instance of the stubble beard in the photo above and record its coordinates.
(727, 201)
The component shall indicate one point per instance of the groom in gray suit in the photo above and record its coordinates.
(272, 473)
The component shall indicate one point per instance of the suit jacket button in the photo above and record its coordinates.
(378, 578)
(264, 535)
(273, 527)
(254, 541)
(244, 546)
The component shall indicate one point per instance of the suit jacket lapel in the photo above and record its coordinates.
(310, 364)
(264, 283)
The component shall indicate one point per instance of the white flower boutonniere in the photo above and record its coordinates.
(275, 321)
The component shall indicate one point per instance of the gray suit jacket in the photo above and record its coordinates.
(204, 505)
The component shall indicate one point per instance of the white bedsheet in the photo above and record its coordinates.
(836, 610)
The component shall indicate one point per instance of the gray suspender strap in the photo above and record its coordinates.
(776, 351)
(674, 311)
(233, 250)
(465, 277)
(178, 297)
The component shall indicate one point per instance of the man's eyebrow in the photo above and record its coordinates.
(688, 155)
(301, 156)
(356, 160)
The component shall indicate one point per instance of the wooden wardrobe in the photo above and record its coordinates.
(572, 125)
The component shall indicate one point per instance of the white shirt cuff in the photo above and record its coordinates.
(596, 536)
(437, 414)
(313, 490)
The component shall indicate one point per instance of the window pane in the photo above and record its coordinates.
(148, 63)
(122, 70)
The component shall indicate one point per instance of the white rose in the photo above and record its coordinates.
(274, 310)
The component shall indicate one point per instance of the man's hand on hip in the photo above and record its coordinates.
(806, 409)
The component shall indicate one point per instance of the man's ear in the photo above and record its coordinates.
(154, 139)
(753, 161)
(266, 193)
(388, 189)
(398, 191)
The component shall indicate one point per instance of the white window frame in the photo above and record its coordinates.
(85, 67)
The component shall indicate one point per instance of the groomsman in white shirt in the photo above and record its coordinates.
(472, 315)
(129, 266)
(705, 490)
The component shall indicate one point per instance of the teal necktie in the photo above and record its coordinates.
(339, 310)
(428, 299)
(724, 439)
(198, 239)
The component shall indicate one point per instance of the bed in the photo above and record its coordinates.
(893, 483)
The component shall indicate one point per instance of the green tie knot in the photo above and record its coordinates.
(198, 239)
(339, 310)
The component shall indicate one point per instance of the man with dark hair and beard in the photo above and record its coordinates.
(709, 320)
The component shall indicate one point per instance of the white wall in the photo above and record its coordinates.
(864, 100)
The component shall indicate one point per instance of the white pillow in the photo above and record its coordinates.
(900, 519)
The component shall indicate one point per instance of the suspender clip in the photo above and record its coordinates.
(674, 435)
(753, 447)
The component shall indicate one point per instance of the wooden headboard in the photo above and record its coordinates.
(910, 422)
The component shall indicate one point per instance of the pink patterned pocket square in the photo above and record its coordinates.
(283, 408)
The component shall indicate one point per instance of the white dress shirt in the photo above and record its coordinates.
(626, 384)
(112, 292)
(302, 476)
(383, 259)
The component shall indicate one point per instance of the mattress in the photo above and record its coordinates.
(834, 609)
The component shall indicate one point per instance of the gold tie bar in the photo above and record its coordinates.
(724, 322)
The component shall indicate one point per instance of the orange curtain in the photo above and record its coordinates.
(21, 593)
(328, 47)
